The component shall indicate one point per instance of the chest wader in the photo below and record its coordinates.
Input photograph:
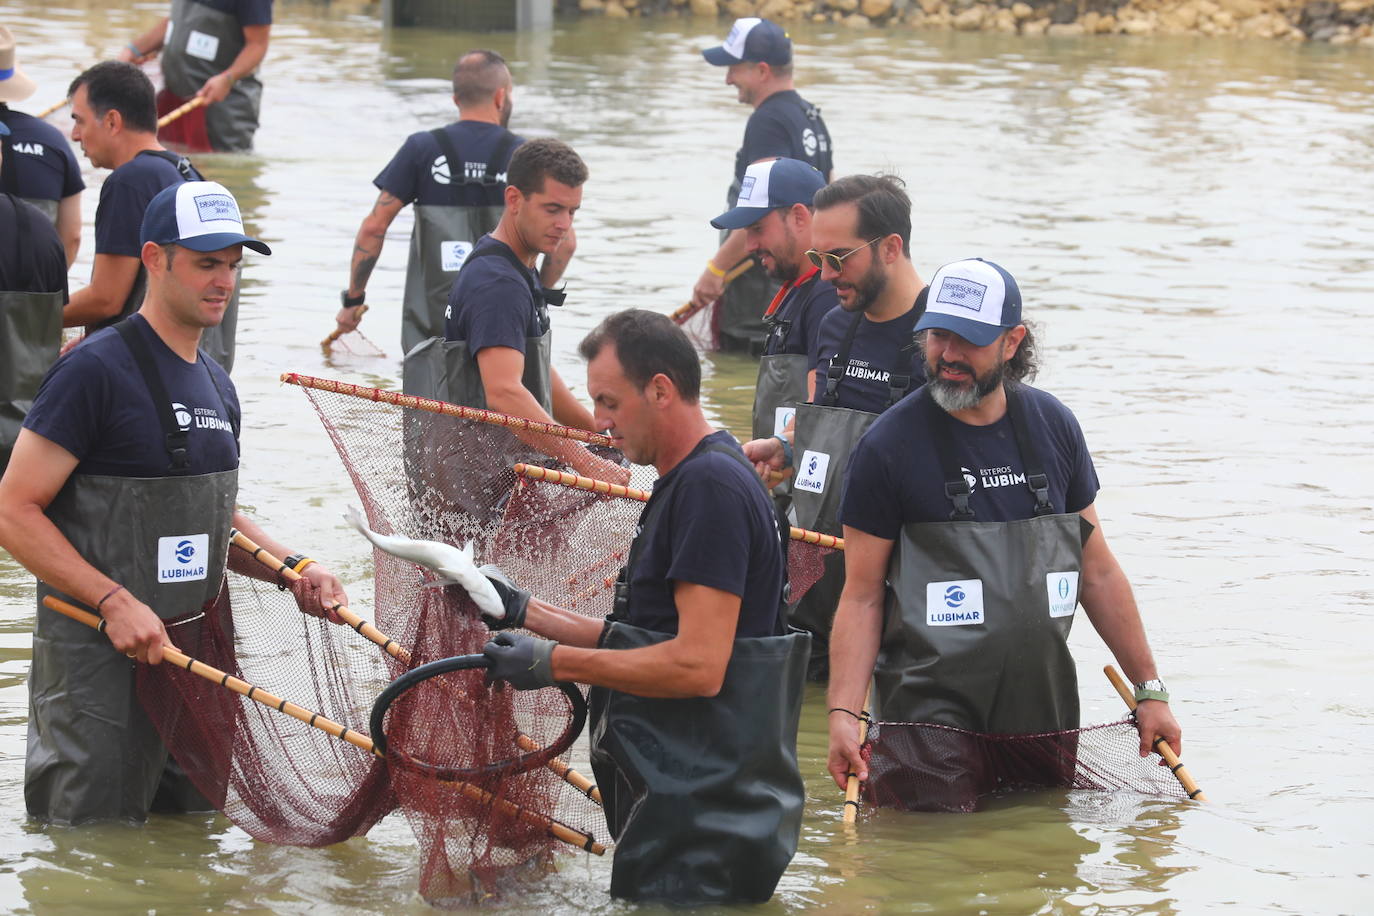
(441, 239)
(30, 336)
(92, 752)
(703, 795)
(202, 42)
(439, 462)
(781, 383)
(976, 628)
(825, 437)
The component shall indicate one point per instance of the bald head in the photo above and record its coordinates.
(478, 76)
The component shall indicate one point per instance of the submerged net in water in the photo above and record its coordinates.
(928, 767)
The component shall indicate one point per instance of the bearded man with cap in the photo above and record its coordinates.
(114, 119)
(971, 535)
(33, 289)
(456, 178)
(774, 210)
(120, 497)
(864, 362)
(211, 50)
(757, 55)
(39, 165)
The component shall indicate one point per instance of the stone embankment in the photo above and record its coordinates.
(1334, 21)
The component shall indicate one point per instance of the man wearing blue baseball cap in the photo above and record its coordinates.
(757, 55)
(774, 211)
(119, 497)
(971, 536)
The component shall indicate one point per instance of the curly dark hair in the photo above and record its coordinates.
(544, 158)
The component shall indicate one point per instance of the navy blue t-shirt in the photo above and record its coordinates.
(247, 12)
(718, 529)
(38, 162)
(785, 125)
(492, 304)
(39, 267)
(95, 404)
(124, 197)
(421, 173)
(894, 475)
(805, 306)
(877, 349)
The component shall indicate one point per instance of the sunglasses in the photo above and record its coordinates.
(835, 261)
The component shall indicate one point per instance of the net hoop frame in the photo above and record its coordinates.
(519, 763)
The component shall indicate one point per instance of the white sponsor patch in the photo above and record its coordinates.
(182, 558)
(198, 44)
(1062, 590)
(453, 254)
(954, 604)
(811, 471)
(781, 417)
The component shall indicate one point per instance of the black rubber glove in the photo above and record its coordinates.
(524, 662)
(515, 599)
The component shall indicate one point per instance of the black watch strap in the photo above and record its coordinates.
(352, 301)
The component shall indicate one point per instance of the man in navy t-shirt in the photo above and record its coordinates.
(44, 269)
(757, 55)
(422, 174)
(978, 352)
(695, 648)
(114, 119)
(137, 422)
(39, 163)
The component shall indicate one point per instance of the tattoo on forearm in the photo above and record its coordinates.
(363, 262)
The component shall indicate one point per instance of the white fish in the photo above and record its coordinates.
(453, 565)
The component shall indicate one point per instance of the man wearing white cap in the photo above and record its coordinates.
(39, 166)
(120, 497)
(971, 535)
(757, 55)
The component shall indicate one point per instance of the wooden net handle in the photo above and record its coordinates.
(682, 313)
(339, 332)
(175, 113)
(851, 788)
(1180, 772)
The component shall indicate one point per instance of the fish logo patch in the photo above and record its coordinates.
(182, 558)
(954, 604)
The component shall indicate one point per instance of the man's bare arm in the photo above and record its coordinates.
(112, 279)
(367, 248)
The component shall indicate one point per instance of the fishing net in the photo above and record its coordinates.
(928, 767)
(702, 325)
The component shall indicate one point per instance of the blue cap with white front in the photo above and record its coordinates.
(975, 299)
(752, 39)
(767, 186)
(199, 215)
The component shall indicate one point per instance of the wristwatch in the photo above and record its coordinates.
(1152, 689)
(786, 451)
(352, 301)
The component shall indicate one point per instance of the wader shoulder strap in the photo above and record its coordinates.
(898, 384)
(543, 296)
(957, 487)
(1036, 478)
(834, 373)
(236, 422)
(457, 173)
(9, 168)
(499, 157)
(173, 436)
(23, 236)
(184, 166)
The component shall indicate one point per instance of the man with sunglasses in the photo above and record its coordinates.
(865, 361)
(774, 210)
(757, 55)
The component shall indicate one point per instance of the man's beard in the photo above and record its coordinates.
(507, 106)
(868, 288)
(952, 396)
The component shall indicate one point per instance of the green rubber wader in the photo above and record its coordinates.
(703, 795)
(439, 244)
(30, 337)
(202, 42)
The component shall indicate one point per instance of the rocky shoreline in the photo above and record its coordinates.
(1332, 21)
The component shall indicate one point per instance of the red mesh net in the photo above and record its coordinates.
(927, 767)
(702, 325)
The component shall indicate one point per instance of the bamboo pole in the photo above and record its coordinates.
(175, 113)
(851, 788)
(682, 313)
(552, 827)
(1180, 772)
(401, 654)
(567, 479)
(442, 407)
(339, 332)
(53, 108)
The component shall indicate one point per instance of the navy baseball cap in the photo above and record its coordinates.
(199, 215)
(767, 186)
(752, 39)
(975, 299)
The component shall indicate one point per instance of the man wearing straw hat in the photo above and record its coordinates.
(971, 535)
(33, 288)
(114, 119)
(120, 496)
(697, 681)
(211, 50)
(40, 166)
